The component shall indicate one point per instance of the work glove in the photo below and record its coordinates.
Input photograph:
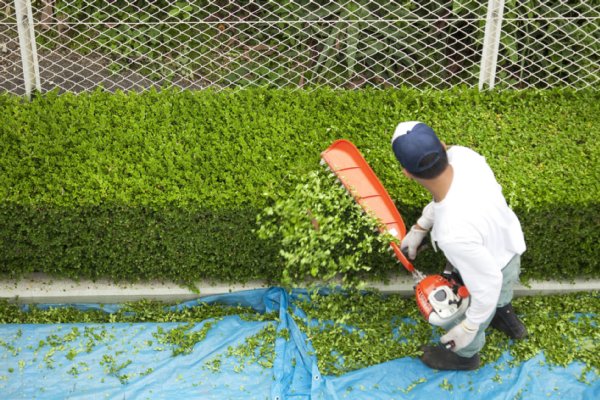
(460, 336)
(412, 241)
(417, 233)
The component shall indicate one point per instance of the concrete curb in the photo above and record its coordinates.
(39, 288)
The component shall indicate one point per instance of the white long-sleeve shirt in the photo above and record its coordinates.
(477, 231)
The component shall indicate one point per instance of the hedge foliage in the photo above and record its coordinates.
(168, 184)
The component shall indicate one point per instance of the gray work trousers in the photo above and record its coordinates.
(510, 277)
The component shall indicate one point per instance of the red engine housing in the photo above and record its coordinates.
(440, 301)
(424, 288)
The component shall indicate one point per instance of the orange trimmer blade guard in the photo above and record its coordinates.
(347, 163)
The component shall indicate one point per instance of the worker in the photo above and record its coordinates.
(480, 236)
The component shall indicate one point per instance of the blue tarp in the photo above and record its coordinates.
(126, 361)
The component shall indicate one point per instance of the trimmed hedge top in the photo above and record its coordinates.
(211, 150)
(217, 153)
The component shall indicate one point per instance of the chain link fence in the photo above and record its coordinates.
(78, 45)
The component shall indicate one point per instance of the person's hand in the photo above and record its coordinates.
(460, 336)
(418, 231)
(413, 240)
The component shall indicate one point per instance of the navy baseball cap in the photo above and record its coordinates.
(417, 147)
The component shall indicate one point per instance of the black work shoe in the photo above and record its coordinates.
(438, 357)
(507, 321)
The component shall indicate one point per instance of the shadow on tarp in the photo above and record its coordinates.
(126, 361)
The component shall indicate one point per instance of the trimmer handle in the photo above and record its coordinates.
(452, 275)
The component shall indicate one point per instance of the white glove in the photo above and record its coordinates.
(461, 335)
(417, 233)
(412, 240)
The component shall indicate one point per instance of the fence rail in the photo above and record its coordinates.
(77, 45)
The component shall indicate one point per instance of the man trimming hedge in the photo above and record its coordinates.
(480, 236)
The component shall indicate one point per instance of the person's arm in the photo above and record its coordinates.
(483, 279)
(480, 275)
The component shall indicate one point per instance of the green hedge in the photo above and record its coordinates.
(168, 184)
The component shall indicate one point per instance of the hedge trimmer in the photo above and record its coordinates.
(441, 300)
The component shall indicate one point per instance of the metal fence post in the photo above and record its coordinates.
(491, 43)
(29, 58)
